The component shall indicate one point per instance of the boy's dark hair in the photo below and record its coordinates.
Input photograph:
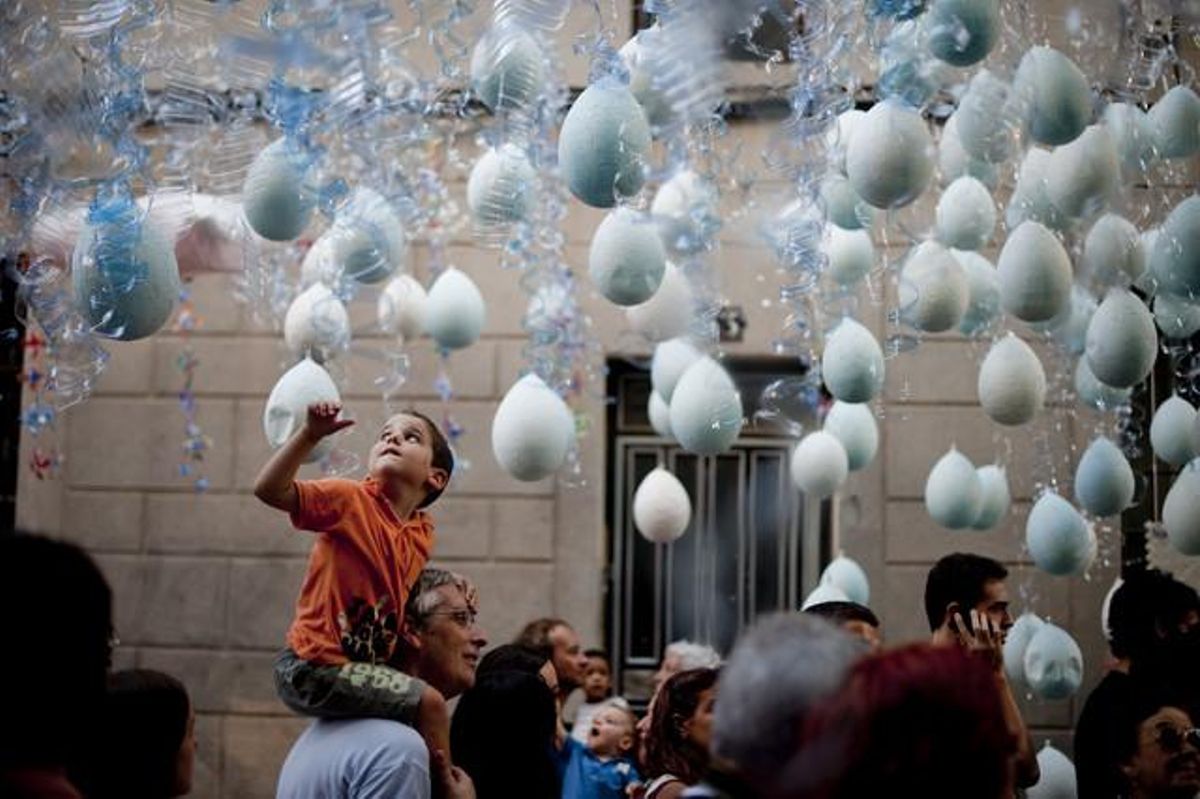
(958, 578)
(839, 612)
(1147, 603)
(596, 653)
(443, 456)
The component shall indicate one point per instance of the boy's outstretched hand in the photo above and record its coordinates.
(322, 420)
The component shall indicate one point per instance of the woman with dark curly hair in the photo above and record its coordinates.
(676, 745)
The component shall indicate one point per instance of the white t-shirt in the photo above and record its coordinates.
(356, 759)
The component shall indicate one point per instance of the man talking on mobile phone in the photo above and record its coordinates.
(966, 602)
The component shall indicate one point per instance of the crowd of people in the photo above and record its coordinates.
(386, 655)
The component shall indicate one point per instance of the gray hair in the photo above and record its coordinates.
(778, 671)
(693, 655)
(425, 597)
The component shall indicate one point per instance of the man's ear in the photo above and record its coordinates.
(409, 639)
(948, 616)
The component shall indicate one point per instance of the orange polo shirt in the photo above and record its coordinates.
(362, 566)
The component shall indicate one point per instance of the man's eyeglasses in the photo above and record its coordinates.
(1171, 739)
(464, 617)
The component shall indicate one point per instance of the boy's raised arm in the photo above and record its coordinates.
(276, 484)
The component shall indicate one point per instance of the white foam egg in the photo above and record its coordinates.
(823, 593)
(850, 252)
(890, 157)
(1056, 776)
(1148, 283)
(1083, 175)
(320, 262)
(401, 308)
(368, 237)
(660, 416)
(934, 293)
(706, 409)
(670, 360)
(995, 497)
(685, 209)
(1106, 607)
(852, 364)
(316, 323)
(1012, 383)
(507, 68)
(1015, 644)
(1058, 538)
(953, 495)
(1171, 431)
(501, 188)
(966, 215)
(819, 464)
(837, 138)
(1104, 483)
(603, 143)
(277, 197)
(1177, 318)
(846, 575)
(626, 260)
(1030, 199)
(532, 430)
(642, 80)
(1053, 663)
(455, 312)
(1054, 94)
(1132, 133)
(1181, 511)
(287, 405)
(1175, 254)
(954, 161)
(854, 425)
(1175, 122)
(842, 206)
(1121, 340)
(1069, 327)
(125, 279)
(1035, 274)
(1112, 252)
(962, 32)
(661, 507)
(983, 291)
(669, 312)
(984, 128)
(1094, 394)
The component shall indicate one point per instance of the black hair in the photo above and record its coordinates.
(668, 749)
(512, 657)
(958, 578)
(839, 612)
(1140, 701)
(1145, 604)
(60, 625)
(144, 723)
(443, 456)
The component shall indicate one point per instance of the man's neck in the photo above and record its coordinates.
(943, 636)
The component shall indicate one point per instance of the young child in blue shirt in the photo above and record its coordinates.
(601, 768)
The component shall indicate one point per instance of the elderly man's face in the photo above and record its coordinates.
(450, 643)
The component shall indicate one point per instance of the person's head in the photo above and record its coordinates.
(679, 734)
(560, 643)
(442, 639)
(612, 731)
(780, 668)
(62, 618)
(514, 657)
(916, 721)
(1156, 746)
(1153, 615)
(852, 617)
(411, 450)
(685, 655)
(960, 583)
(597, 676)
(147, 745)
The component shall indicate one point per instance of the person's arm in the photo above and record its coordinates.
(276, 482)
(433, 722)
(985, 638)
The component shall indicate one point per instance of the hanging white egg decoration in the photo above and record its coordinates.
(854, 425)
(706, 409)
(1171, 431)
(1034, 273)
(966, 215)
(662, 509)
(668, 363)
(1012, 383)
(277, 197)
(316, 323)
(1015, 644)
(532, 430)
(1181, 511)
(1053, 663)
(1104, 482)
(401, 308)
(953, 495)
(1054, 96)
(455, 312)
(626, 260)
(1122, 341)
(819, 464)
(603, 143)
(995, 497)
(847, 576)
(1175, 122)
(287, 405)
(889, 159)
(1058, 538)
(852, 364)
(501, 188)
(934, 293)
